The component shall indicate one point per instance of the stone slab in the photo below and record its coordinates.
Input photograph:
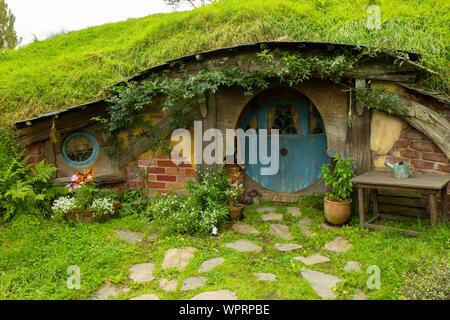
(314, 259)
(210, 264)
(287, 246)
(265, 209)
(269, 277)
(142, 272)
(338, 245)
(352, 266)
(305, 222)
(193, 283)
(168, 285)
(272, 217)
(245, 229)
(294, 211)
(130, 236)
(243, 245)
(178, 258)
(322, 283)
(216, 295)
(280, 230)
(149, 296)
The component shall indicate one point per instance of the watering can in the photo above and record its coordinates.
(401, 169)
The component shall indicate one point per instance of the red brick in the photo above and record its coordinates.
(166, 178)
(411, 134)
(131, 177)
(132, 184)
(440, 157)
(189, 171)
(35, 159)
(443, 167)
(156, 185)
(143, 163)
(174, 185)
(401, 143)
(162, 191)
(151, 177)
(421, 145)
(422, 164)
(396, 159)
(166, 163)
(156, 170)
(34, 150)
(185, 165)
(410, 154)
(174, 171)
(436, 149)
(131, 169)
(184, 179)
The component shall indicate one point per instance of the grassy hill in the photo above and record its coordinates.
(79, 66)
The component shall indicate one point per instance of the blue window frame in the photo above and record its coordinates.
(80, 148)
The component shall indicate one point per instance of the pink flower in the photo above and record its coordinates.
(74, 178)
(70, 189)
(77, 186)
(68, 186)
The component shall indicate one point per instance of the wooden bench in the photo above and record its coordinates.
(430, 184)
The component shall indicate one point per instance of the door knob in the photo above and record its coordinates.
(283, 151)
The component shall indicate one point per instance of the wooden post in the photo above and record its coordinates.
(210, 122)
(49, 153)
(433, 209)
(375, 202)
(444, 206)
(361, 203)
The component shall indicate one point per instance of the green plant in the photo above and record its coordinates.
(234, 194)
(338, 174)
(379, 99)
(427, 279)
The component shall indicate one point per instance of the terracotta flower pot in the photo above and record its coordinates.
(236, 211)
(87, 216)
(337, 213)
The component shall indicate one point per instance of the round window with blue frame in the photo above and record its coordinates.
(80, 148)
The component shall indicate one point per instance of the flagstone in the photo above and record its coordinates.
(327, 226)
(245, 229)
(168, 285)
(353, 266)
(105, 292)
(305, 222)
(178, 258)
(322, 283)
(142, 272)
(272, 217)
(149, 296)
(280, 230)
(307, 232)
(210, 264)
(193, 283)
(287, 246)
(216, 295)
(314, 259)
(269, 277)
(265, 209)
(130, 236)
(294, 211)
(243, 245)
(338, 245)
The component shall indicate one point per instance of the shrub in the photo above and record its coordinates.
(428, 279)
(338, 174)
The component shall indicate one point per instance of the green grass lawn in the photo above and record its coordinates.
(35, 254)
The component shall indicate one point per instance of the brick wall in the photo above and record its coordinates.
(415, 148)
(164, 175)
(35, 152)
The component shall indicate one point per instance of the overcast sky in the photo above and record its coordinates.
(44, 17)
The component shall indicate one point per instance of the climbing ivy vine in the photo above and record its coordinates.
(177, 95)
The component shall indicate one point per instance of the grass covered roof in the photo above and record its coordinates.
(80, 66)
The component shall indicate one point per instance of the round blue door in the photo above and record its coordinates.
(302, 144)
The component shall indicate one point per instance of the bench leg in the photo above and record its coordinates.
(362, 213)
(444, 208)
(433, 209)
(375, 202)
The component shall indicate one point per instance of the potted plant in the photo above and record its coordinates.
(338, 202)
(234, 196)
(86, 203)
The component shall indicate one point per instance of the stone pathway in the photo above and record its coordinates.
(287, 246)
(269, 277)
(338, 245)
(314, 259)
(142, 272)
(265, 209)
(105, 292)
(243, 245)
(130, 236)
(193, 283)
(305, 222)
(168, 285)
(149, 296)
(267, 217)
(307, 232)
(322, 283)
(216, 295)
(294, 211)
(352, 266)
(327, 226)
(245, 229)
(210, 264)
(178, 258)
(280, 230)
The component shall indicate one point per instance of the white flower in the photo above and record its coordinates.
(103, 206)
(214, 231)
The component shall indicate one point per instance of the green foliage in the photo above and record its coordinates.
(132, 203)
(81, 66)
(427, 279)
(338, 174)
(379, 99)
(202, 211)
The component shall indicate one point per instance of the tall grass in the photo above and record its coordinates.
(79, 66)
